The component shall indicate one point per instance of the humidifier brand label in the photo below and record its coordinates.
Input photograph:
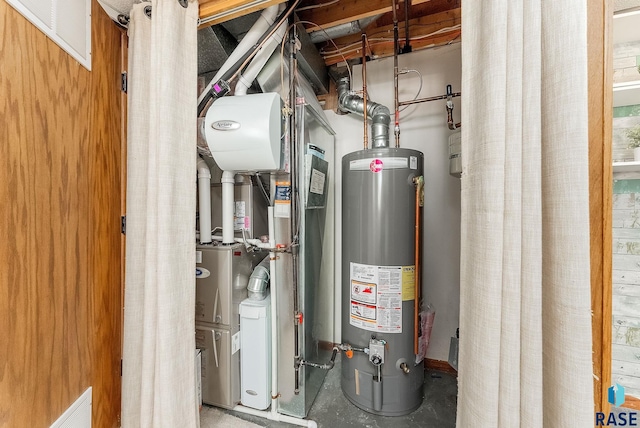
(225, 125)
(376, 297)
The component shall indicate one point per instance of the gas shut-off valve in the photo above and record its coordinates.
(376, 351)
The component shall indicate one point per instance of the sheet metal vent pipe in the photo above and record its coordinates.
(380, 117)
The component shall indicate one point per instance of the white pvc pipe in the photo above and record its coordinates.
(248, 76)
(275, 416)
(267, 17)
(204, 200)
(228, 182)
(271, 227)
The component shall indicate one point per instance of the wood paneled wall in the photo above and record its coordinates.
(60, 204)
(600, 16)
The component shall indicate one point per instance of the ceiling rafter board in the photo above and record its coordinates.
(346, 11)
(417, 27)
(419, 10)
(231, 9)
(386, 49)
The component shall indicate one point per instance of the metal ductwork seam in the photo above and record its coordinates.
(341, 30)
(259, 280)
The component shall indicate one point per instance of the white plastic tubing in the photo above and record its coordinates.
(267, 17)
(228, 181)
(204, 200)
(248, 76)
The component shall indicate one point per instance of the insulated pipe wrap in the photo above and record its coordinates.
(379, 114)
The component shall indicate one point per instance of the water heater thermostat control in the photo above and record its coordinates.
(376, 351)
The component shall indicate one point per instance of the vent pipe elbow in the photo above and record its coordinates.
(259, 280)
(380, 115)
(380, 120)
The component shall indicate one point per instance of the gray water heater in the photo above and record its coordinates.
(378, 268)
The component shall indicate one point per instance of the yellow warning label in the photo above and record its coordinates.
(408, 282)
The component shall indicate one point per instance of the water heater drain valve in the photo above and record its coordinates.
(376, 351)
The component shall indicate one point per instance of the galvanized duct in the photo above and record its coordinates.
(379, 114)
(341, 30)
(259, 280)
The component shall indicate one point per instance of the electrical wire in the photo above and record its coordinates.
(334, 45)
(286, 98)
(354, 47)
(406, 71)
(275, 28)
(315, 6)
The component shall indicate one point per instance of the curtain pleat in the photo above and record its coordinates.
(158, 383)
(525, 323)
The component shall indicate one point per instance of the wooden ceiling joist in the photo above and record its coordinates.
(420, 31)
(418, 10)
(344, 11)
(225, 10)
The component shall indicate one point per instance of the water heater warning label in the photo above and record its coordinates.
(376, 297)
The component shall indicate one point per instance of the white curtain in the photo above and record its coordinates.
(158, 381)
(525, 323)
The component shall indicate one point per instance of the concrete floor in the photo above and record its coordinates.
(332, 410)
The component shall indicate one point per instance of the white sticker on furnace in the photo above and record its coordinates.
(376, 297)
(238, 218)
(317, 182)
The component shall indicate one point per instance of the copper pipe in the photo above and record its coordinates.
(364, 89)
(424, 100)
(419, 182)
(407, 39)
